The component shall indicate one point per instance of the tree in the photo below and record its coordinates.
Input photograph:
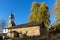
(57, 10)
(2, 25)
(39, 13)
(34, 10)
(55, 28)
(44, 13)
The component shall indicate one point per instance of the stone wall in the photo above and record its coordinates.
(30, 31)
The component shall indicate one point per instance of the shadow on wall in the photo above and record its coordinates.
(1, 38)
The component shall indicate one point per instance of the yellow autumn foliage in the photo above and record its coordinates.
(39, 13)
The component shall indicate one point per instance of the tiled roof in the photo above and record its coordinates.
(25, 25)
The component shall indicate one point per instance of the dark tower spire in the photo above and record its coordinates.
(11, 20)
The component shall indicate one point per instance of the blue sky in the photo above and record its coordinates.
(21, 9)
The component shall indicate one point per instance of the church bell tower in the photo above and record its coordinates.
(11, 20)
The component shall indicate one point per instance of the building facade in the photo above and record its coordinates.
(22, 30)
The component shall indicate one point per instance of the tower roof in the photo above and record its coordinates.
(11, 16)
(11, 20)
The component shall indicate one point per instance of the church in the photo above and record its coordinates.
(28, 29)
